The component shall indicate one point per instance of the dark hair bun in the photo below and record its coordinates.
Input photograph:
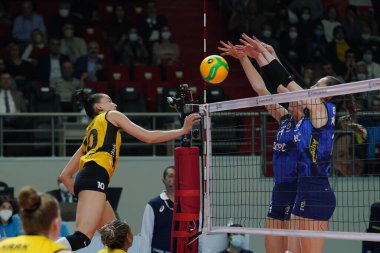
(81, 96)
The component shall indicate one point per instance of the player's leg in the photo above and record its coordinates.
(310, 244)
(275, 244)
(108, 215)
(293, 242)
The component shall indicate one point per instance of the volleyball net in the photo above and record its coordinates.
(238, 176)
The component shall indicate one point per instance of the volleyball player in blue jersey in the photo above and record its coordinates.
(314, 133)
(284, 154)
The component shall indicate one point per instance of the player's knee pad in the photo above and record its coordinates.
(78, 240)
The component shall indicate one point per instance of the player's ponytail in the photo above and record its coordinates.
(87, 101)
(348, 99)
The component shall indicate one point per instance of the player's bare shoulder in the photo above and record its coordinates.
(116, 118)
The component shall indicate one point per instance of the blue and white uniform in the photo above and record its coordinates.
(315, 198)
(284, 168)
(157, 225)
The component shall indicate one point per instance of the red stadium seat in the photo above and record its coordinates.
(100, 86)
(118, 73)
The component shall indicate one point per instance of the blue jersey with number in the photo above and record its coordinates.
(315, 144)
(285, 152)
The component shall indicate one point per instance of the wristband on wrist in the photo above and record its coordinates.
(276, 74)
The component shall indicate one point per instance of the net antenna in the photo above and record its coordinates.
(237, 149)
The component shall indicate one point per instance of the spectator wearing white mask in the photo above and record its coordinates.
(10, 225)
(131, 49)
(373, 68)
(62, 194)
(165, 52)
(235, 242)
(63, 17)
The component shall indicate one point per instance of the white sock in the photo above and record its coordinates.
(288, 251)
(64, 242)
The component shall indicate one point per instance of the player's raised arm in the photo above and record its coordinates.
(255, 79)
(123, 122)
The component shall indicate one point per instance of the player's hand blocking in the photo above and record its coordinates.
(190, 120)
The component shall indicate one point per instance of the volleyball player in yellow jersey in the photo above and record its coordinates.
(96, 160)
(41, 222)
(117, 236)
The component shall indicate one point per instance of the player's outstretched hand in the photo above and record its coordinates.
(190, 120)
(231, 50)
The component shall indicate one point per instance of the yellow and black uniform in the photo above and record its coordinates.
(30, 244)
(101, 147)
(108, 250)
(101, 144)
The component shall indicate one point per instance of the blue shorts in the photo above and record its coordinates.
(91, 177)
(283, 197)
(315, 199)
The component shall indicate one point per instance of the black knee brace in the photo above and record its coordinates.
(78, 240)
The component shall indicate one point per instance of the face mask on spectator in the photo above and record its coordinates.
(367, 58)
(366, 36)
(305, 17)
(293, 35)
(267, 33)
(361, 76)
(237, 241)
(133, 37)
(64, 13)
(5, 214)
(166, 35)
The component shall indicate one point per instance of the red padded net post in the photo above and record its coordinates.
(185, 225)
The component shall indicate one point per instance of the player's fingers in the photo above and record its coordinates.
(223, 43)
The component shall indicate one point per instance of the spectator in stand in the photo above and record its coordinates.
(90, 67)
(64, 16)
(165, 52)
(308, 76)
(305, 25)
(131, 49)
(267, 36)
(350, 66)
(11, 100)
(292, 47)
(235, 242)
(36, 47)
(66, 85)
(328, 70)
(316, 62)
(119, 25)
(369, 40)
(315, 7)
(330, 21)
(21, 70)
(351, 25)
(10, 225)
(281, 23)
(317, 41)
(245, 18)
(373, 67)
(336, 49)
(150, 24)
(62, 194)
(72, 46)
(25, 23)
(49, 64)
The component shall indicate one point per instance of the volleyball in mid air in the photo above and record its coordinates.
(214, 69)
